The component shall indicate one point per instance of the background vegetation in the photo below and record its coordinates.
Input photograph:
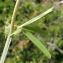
(21, 49)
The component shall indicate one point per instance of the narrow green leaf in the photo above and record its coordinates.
(37, 43)
(35, 29)
(36, 18)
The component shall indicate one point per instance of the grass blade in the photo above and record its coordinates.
(35, 29)
(36, 18)
(37, 43)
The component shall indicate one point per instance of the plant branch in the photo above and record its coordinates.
(11, 30)
(38, 17)
(33, 20)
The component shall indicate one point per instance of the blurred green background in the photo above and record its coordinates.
(22, 50)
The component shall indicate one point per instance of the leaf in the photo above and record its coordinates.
(36, 18)
(35, 29)
(37, 43)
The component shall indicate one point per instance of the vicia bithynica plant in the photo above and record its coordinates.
(24, 28)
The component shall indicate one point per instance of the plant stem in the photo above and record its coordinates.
(14, 15)
(11, 30)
